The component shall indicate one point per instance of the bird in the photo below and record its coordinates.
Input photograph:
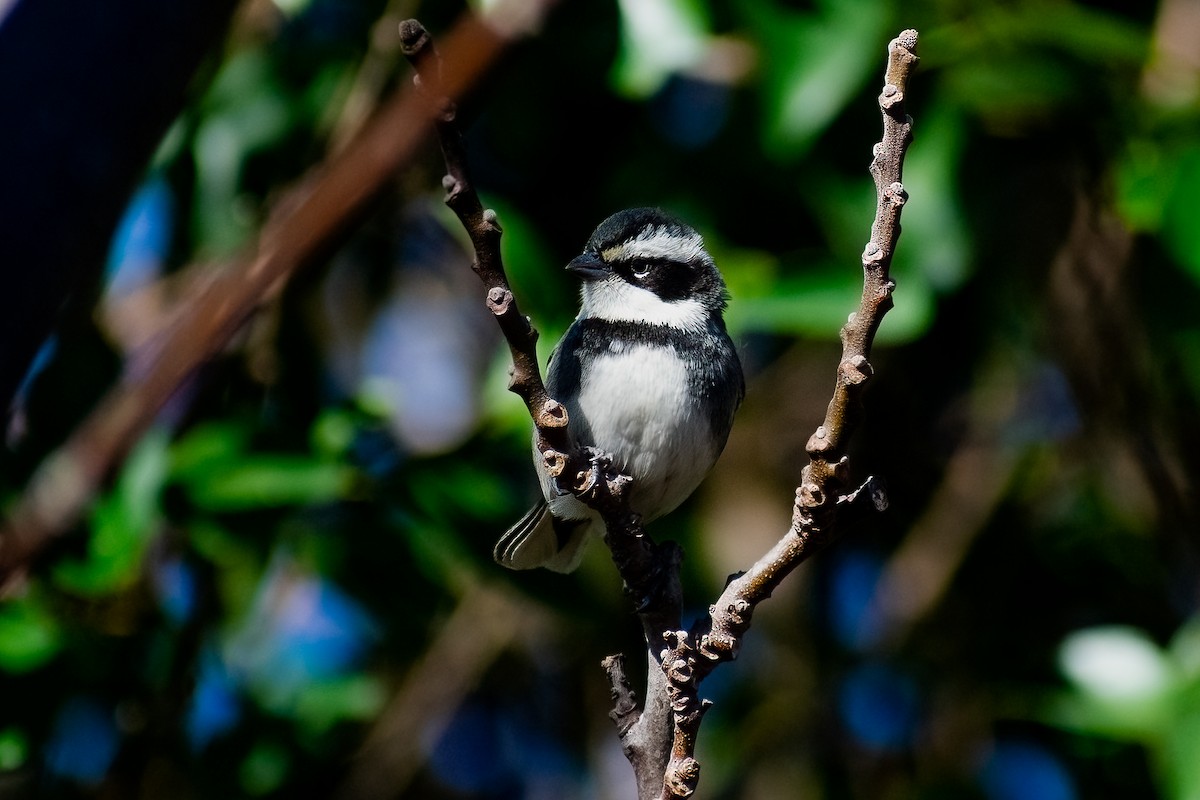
(648, 374)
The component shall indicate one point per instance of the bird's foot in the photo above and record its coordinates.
(601, 476)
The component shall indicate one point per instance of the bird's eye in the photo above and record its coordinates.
(641, 269)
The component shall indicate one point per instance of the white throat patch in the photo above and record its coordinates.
(617, 300)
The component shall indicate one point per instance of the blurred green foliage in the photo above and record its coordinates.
(295, 539)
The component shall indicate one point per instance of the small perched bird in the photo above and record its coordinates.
(647, 374)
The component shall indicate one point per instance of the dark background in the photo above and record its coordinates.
(287, 589)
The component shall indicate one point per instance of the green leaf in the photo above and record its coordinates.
(207, 447)
(333, 433)
(324, 704)
(265, 768)
(123, 523)
(142, 479)
(238, 565)
(1144, 181)
(1181, 232)
(29, 636)
(539, 282)
(267, 481)
(1176, 758)
(1116, 663)
(1184, 649)
(245, 111)
(814, 64)
(1121, 721)
(115, 552)
(1009, 92)
(1124, 685)
(658, 38)
(14, 749)
(935, 244)
(818, 302)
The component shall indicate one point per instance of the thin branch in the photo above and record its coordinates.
(483, 228)
(650, 572)
(625, 705)
(664, 762)
(309, 222)
(584, 474)
(691, 656)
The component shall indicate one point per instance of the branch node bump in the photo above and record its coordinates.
(810, 495)
(678, 671)
(676, 639)
(684, 777)
(413, 36)
(890, 97)
(819, 443)
(625, 709)
(555, 462)
(720, 645)
(499, 300)
(553, 414)
(872, 254)
(492, 220)
(855, 370)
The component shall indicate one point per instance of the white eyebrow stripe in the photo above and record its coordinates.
(657, 242)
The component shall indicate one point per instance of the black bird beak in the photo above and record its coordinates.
(588, 266)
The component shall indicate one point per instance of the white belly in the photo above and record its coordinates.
(637, 405)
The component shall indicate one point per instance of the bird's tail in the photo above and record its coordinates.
(539, 539)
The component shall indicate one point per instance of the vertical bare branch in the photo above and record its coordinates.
(690, 656)
(660, 739)
(649, 571)
(549, 416)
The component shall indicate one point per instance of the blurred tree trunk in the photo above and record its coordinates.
(87, 90)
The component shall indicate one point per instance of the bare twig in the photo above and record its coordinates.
(659, 740)
(549, 416)
(648, 571)
(578, 472)
(309, 222)
(691, 655)
(625, 705)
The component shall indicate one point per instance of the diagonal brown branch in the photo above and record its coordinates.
(691, 656)
(309, 221)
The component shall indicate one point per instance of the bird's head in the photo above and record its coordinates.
(644, 265)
